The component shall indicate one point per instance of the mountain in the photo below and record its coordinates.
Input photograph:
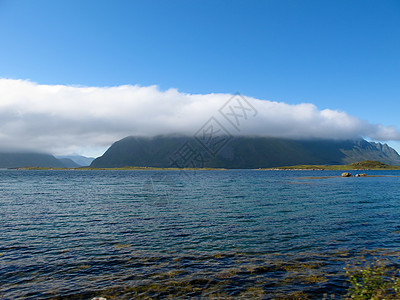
(79, 160)
(240, 153)
(17, 160)
(68, 163)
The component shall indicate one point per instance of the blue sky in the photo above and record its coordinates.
(341, 55)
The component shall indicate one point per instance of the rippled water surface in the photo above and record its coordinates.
(239, 233)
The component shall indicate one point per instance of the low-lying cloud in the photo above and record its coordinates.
(65, 119)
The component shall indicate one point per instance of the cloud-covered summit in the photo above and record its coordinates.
(66, 119)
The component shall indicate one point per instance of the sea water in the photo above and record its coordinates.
(191, 234)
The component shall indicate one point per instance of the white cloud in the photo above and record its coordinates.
(65, 119)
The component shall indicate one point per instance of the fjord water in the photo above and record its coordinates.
(81, 234)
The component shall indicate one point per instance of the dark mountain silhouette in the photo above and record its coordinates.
(79, 160)
(240, 153)
(68, 163)
(19, 160)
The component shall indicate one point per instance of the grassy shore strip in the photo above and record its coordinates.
(363, 165)
(122, 169)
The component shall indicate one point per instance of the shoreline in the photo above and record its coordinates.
(367, 165)
(117, 169)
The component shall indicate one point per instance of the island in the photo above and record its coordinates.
(362, 165)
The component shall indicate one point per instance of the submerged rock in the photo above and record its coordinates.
(346, 174)
(361, 175)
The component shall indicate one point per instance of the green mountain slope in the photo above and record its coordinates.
(241, 153)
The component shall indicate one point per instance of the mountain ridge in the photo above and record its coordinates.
(41, 160)
(79, 160)
(243, 152)
(28, 159)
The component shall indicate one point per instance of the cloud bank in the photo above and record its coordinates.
(72, 119)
